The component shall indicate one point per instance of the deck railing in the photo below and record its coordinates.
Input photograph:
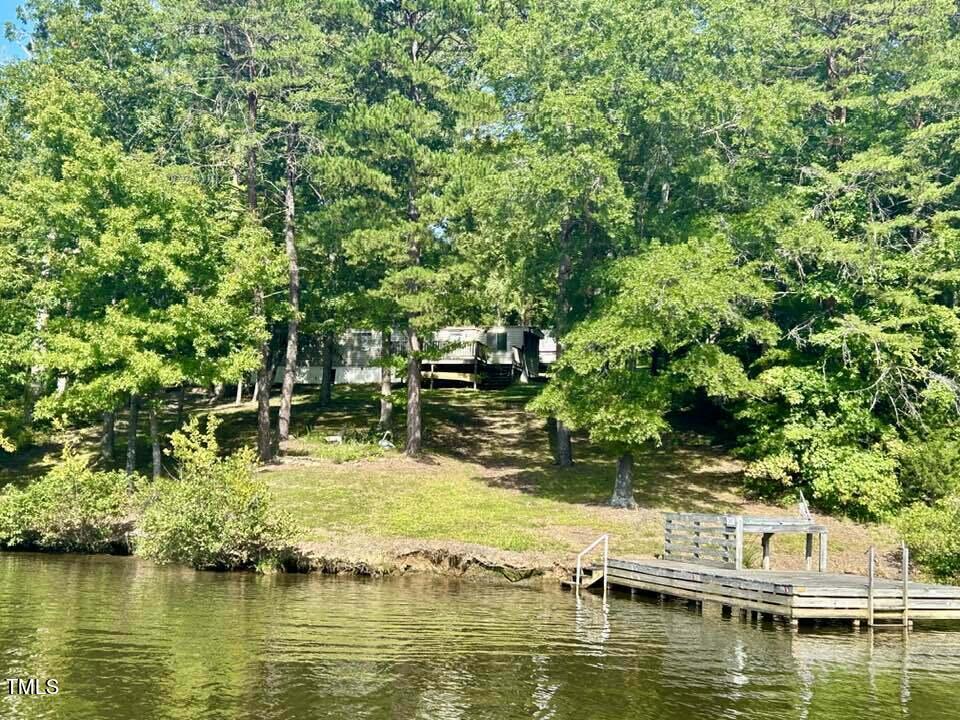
(457, 351)
(440, 351)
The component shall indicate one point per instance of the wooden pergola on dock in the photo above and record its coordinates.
(703, 563)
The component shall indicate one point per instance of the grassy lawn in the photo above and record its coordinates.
(486, 479)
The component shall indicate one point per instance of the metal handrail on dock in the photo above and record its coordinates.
(605, 539)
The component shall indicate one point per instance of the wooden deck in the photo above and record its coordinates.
(792, 596)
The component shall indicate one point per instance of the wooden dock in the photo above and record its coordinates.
(791, 596)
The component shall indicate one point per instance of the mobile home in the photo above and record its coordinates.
(467, 355)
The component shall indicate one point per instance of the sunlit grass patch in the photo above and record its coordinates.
(342, 452)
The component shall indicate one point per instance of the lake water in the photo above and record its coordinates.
(127, 639)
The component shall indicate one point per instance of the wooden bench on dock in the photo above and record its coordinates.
(717, 540)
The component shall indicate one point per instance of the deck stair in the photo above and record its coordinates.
(590, 577)
(586, 577)
(497, 376)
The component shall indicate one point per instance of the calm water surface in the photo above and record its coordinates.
(127, 639)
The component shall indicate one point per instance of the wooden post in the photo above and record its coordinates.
(808, 555)
(738, 557)
(822, 566)
(871, 558)
(766, 542)
(905, 561)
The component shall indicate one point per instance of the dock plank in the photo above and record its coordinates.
(793, 595)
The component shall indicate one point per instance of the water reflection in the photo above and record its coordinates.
(130, 640)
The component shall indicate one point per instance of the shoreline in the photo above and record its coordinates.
(381, 558)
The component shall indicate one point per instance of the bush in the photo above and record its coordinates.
(14, 433)
(72, 508)
(216, 515)
(929, 468)
(931, 533)
(860, 482)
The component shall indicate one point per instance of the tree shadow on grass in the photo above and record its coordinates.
(489, 428)
(23, 467)
(494, 431)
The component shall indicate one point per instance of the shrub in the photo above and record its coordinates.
(929, 468)
(931, 533)
(72, 508)
(216, 514)
(14, 433)
(860, 482)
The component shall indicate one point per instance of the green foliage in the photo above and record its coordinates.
(859, 481)
(72, 508)
(663, 334)
(137, 281)
(215, 514)
(744, 208)
(931, 533)
(929, 467)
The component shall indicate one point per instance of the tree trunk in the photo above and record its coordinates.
(562, 448)
(155, 439)
(181, 399)
(264, 439)
(252, 150)
(239, 399)
(326, 369)
(623, 487)
(293, 325)
(133, 419)
(107, 438)
(414, 418)
(386, 384)
(35, 384)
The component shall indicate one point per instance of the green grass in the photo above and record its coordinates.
(342, 452)
(400, 500)
(393, 501)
